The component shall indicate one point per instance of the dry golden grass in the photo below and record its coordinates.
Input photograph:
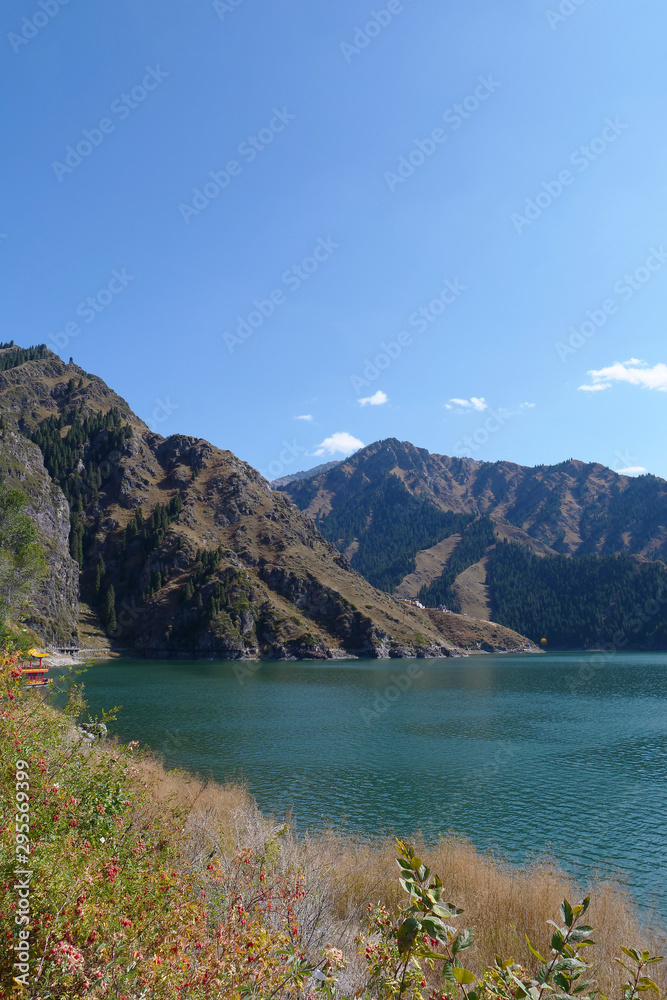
(503, 902)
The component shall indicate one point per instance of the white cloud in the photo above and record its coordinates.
(633, 371)
(340, 443)
(376, 400)
(527, 406)
(305, 416)
(633, 470)
(477, 403)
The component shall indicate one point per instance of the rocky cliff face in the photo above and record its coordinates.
(184, 549)
(53, 612)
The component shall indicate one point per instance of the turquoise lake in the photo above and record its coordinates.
(559, 753)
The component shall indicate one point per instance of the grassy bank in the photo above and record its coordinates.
(148, 883)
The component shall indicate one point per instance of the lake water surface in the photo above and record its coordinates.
(561, 752)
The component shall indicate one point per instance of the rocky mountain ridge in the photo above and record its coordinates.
(573, 507)
(430, 526)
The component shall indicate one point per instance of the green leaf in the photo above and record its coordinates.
(566, 913)
(557, 941)
(447, 910)
(434, 928)
(582, 986)
(462, 941)
(448, 973)
(647, 984)
(407, 934)
(573, 964)
(463, 976)
(580, 934)
(631, 953)
(535, 952)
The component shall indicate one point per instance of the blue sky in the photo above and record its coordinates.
(453, 212)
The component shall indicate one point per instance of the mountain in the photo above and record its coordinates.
(308, 474)
(469, 534)
(181, 548)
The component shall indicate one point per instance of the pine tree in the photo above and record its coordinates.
(76, 539)
(109, 611)
(189, 590)
(100, 570)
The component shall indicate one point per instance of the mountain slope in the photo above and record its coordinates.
(432, 524)
(184, 549)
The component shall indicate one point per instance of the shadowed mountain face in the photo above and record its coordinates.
(425, 525)
(182, 548)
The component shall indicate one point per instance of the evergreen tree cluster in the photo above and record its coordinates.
(231, 594)
(12, 359)
(391, 526)
(89, 442)
(474, 543)
(108, 613)
(152, 532)
(640, 511)
(206, 563)
(579, 602)
(301, 493)
(226, 600)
